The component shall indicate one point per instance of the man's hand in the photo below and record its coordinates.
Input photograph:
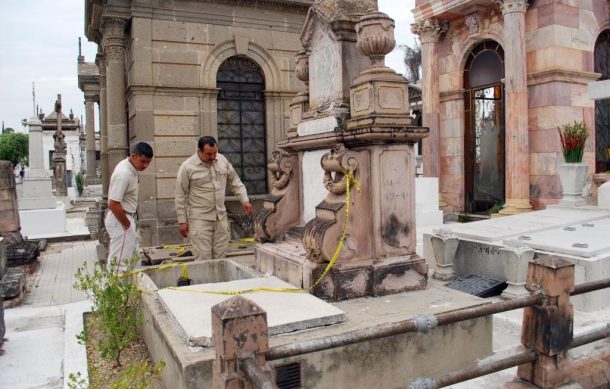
(184, 229)
(116, 208)
(248, 208)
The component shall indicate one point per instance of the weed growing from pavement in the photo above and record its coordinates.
(115, 301)
(138, 375)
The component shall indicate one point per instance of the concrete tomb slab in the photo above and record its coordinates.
(497, 229)
(190, 310)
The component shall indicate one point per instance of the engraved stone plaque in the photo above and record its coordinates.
(396, 190)
(324, 67)
(317, 126)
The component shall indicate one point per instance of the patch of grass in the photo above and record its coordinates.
(463, 218)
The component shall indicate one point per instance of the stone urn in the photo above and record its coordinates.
(573, 177)
(375, 37)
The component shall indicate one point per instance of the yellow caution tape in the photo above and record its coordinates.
(350, 180)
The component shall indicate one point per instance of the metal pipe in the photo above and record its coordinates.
(591, 286)
(309, 346)
(590, 337)
(256, 375)
(485, 368)
(290, 350)
(490, 309)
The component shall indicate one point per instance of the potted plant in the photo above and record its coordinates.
(573, 173)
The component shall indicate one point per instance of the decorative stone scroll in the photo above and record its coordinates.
(322, 233)
(279, 211)
(429, 30)
(508, 6)
(473, 22)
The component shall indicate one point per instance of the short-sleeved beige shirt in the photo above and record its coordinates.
(124, 186)
(200, 188)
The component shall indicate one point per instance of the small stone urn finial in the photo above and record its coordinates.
(375, 37)
(302, 66)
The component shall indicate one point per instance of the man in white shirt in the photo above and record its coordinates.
(123, 204)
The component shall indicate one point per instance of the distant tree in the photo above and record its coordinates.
(8, 130)
(14, 147)
(412, 62)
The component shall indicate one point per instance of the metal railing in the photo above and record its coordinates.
(422, 323)
(425, 323)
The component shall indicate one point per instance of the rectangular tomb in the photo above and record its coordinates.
(501, 228)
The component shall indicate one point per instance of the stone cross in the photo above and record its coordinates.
(59, 156)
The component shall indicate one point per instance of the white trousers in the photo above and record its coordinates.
(123, 243)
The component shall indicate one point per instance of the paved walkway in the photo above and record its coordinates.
(41, 347)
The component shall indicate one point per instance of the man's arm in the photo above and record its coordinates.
(238, 189)
(119, 213)
(182, 190)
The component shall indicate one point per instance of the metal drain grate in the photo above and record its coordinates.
(477, 285)
(288, 376)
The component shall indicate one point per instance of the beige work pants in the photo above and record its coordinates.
(210, 239)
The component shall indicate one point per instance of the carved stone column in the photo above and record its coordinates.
(101, 63)
(429, 31)
(114, 53)
(515, 70)
(90, 136)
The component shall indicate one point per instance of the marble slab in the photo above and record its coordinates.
(587, 240)
(190, 310)
(313, 180)
(501, 228)
(317, 126)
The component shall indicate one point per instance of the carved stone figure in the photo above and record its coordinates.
(278, 212)
(320, 235)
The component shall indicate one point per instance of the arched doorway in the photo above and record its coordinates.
(602, 107)
(241, 120)
(484, 127)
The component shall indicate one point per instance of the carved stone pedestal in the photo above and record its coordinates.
(378, 279)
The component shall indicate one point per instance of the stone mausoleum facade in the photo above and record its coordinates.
(170, 72)
(499, 77)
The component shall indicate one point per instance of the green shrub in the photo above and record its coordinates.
(115, 301)
(80, 183)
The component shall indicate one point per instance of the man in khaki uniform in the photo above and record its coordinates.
(200, 199)
(123, 204)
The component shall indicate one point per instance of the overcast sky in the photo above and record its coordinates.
(39, 43)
